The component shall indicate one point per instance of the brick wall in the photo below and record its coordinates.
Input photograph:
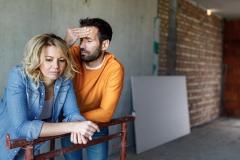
(199, 57)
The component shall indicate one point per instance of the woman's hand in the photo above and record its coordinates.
(83, 131)
(77, 138)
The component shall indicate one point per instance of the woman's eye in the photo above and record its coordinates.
(62, 60)
(48, 60)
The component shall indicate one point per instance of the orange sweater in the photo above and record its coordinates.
(98, 91)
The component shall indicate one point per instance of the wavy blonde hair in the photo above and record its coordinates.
(33, 50)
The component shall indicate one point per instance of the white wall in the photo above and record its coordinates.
(131, 20)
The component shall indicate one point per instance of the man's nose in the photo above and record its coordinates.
(82, 44)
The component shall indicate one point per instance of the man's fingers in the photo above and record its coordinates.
(81, 32)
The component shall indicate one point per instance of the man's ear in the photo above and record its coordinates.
(105, 45)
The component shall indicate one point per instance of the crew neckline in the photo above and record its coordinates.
(95, 68)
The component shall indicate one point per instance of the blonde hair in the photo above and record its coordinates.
(33, 50)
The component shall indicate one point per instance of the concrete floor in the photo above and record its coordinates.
(218, 140)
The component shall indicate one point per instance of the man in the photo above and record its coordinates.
(99, 82)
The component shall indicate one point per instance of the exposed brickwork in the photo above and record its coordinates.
(163, 14)
(199, 57)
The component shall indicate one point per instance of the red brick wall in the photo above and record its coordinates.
(231, 60)
(199, 57)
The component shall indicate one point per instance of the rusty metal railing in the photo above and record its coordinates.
(29, 145)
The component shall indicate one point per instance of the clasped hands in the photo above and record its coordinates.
(83, 132)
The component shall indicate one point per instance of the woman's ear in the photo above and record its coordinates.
(105, 45)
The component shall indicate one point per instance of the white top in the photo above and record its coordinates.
(94, 68)
(47, 109)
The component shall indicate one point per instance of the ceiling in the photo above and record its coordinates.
(229, 9)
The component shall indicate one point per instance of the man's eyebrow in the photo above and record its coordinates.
(88, 37)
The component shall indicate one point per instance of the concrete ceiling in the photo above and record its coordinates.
(228, 9)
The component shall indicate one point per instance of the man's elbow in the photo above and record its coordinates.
(107, 116)
(106, 119)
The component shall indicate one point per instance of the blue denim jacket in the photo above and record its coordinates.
(21, 107)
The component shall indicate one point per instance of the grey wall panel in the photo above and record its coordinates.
(160, 103)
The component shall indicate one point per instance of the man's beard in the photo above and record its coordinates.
(92, 57)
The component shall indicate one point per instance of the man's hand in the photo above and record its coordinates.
(73, 34)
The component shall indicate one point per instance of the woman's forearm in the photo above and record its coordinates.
(54, 129)
(85, 128)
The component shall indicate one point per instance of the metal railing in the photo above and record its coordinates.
(29, 145)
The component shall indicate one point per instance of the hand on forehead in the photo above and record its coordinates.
(81, 32)
(85, 32)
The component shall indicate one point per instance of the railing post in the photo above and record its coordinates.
(123, 141)
(28, 152)
(52, 146)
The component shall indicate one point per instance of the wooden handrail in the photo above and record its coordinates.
(28, 145)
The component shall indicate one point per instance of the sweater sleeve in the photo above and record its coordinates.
(111, 95)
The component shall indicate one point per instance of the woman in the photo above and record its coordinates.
(39, 93)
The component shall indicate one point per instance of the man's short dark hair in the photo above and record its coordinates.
(105, 30)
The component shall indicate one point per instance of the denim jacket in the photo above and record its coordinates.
(21, 107)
